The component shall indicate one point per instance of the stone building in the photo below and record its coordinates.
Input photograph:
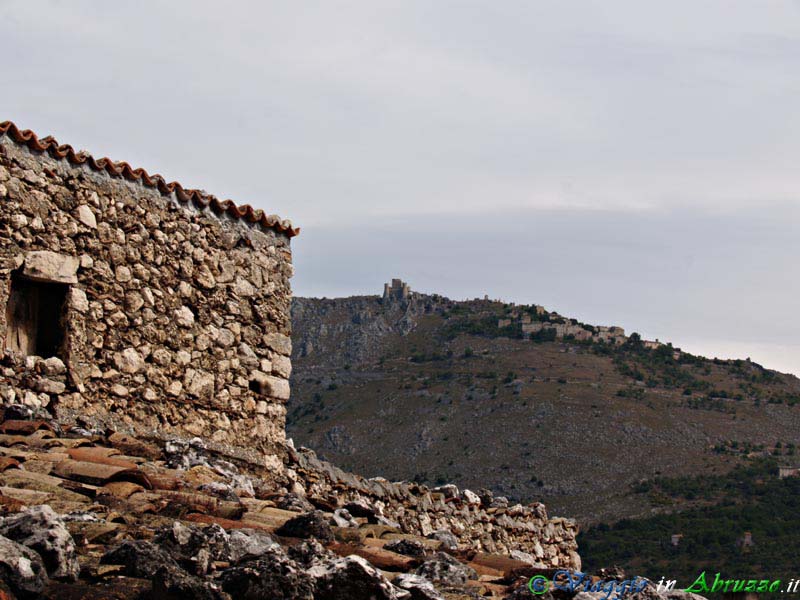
(652, 344)
(397, 290)
(132, 303)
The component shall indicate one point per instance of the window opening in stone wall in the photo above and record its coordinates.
(35, 317)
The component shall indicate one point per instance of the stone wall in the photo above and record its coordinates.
(479, 522)
(155, 314)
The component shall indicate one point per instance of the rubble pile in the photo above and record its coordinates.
(113, 516)
(86, 515)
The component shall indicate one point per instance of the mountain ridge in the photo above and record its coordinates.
(459, 391)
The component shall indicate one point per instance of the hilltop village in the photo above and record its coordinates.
(532, 321)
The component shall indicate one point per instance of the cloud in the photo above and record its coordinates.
(442, 136)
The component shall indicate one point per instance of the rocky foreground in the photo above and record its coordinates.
(94, 515)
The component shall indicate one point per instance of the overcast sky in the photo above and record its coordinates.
(620, 161)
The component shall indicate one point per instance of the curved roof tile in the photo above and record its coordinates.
(201, 199)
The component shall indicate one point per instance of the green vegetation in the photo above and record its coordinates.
(421, 357)
(657, 367)
(749, 498)
(634, 392)
(485, 326)
(708, 403)
(736, 448)
(544, 335)
(666, 368)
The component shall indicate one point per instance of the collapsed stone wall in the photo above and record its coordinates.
(174, 320)
(479, 522)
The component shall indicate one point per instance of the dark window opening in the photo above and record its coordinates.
(35, 317)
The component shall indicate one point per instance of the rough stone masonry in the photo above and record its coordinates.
(130, 303)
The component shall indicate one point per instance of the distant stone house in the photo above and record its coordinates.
(529, 328)
(784, 472)
(133, 303)
(611, 334)
(582, 334)
(561, 329)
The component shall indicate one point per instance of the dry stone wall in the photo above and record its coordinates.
(479, 522)
(121, 306)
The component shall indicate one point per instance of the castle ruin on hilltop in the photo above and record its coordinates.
(397, 290)
(133, 303)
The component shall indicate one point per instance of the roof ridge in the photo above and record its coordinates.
(124, 170)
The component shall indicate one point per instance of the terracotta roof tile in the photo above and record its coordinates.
(121, 489)
(225, 523)
(100, 456)
(23, 427)
(123, 170)
(99, 474)
(8, 463)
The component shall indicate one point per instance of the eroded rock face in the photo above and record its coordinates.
(353, 577)
(310, 553)
(445, 569)
(194, 548)
(343, 518)
(449, 541)
(172, 583)
(21, 569)
(311, 524)
(272, 575)
(293, 502)
(248, 544)
(196, 557)
(138, 557)
(406, 547)
(419, 587)
(42, 530)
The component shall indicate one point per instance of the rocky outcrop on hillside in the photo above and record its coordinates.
(348, 330)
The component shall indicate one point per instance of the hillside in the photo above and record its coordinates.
(518, 398)
(713, 533)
